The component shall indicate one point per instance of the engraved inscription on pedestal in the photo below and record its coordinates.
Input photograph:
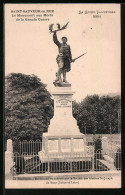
(63, 102)
(78, 145)
(52, 145)
(65, 145)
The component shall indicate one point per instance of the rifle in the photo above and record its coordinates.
(79, 56)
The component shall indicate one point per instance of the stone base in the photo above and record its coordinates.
(61, 84)
(59, 146)
(8, 163)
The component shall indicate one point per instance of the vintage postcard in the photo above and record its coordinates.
(62, 96)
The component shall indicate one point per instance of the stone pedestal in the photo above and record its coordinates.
(63, 134)
(63, 122)
(9, 158)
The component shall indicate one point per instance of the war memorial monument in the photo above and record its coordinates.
(63, 139)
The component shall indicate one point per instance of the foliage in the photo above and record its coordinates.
(28, 107)
(97, 115)
(98, 144)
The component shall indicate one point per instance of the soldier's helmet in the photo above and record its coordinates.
(64, 38)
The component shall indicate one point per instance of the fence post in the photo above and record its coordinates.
(71, 163)
(48, 168)
(20, 147)
(93, 160)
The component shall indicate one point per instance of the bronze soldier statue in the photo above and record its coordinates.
(63, 59)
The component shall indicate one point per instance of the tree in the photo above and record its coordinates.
(99, 115)
(28, 107)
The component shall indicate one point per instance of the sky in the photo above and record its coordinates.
(29, 47)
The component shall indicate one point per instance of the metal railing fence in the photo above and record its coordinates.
(63, 163)
(30, 147)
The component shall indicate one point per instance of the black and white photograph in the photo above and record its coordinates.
(62, 96)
